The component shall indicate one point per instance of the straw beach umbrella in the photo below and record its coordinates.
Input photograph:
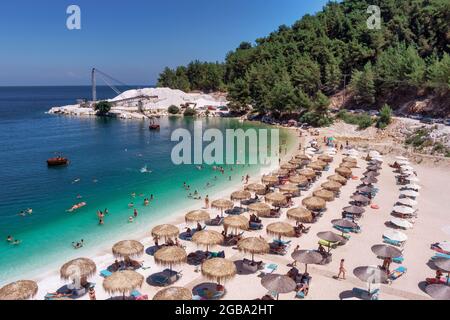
(307, 257)
(174, 293)
(261, 209)
(314, 203)
(165, 231)
(170, 256)
(276, 198)
(371, 174)
(332, 186)
(280, 229)
(337, 178)
(299, 180)
(240, 196)
(218, 269)
(281, 173)
(270, 180)
(222, 204)
(330, 236)
(314, 166)
(303, 157)
(325, 158)
(369, 180)
(19, 290)
(207, 238)
(345, 172)
(438, 291)
(127, 249)
(370, 275)
(123, 282)
(349, 159)
(288, 166)
(253, 245)
(296, 162)
(256, 188)
(289, 188)
(344, 223)
(278, 283)
(236, 223)
(354, 210)
(385, 251)
(349, 165)
(360, 198)
(307, 172)
(197, 216)
(324, 194)
(300, 215)
(78, 269)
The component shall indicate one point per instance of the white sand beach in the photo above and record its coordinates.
(432, 225)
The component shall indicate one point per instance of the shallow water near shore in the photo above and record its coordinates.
(106, 156)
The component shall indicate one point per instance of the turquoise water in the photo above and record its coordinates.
(106, 158)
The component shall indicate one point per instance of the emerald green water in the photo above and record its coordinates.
(106, 156)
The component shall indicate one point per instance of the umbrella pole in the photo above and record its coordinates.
(306, 268)
(253, 257)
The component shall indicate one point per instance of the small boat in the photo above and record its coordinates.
(154, 127)
(57, 161)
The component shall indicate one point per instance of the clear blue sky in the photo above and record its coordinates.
(131, 40)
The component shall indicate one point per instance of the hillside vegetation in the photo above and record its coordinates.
(296, 68)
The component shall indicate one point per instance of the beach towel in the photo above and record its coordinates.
(397, 273)
(375, 206)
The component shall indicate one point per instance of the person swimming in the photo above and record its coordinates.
(78, 245)
(76, 180)
(146, 202)
(10, 239)
(130, 219)
(131, 205)
(135, 213)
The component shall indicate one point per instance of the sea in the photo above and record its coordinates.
(113, 163)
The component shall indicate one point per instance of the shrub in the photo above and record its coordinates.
(385, 117)
(102, 107)
(363, 121)
(189, 112)
(173, 109)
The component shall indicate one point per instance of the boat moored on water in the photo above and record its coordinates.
(57, 161)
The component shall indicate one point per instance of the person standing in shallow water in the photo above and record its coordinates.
(207, 202)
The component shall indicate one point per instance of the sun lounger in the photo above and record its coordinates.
(373, 295)
(441, 280)
(328, 244)
(220, 254)
(281, 242)
(138, 296)
(255, 226)
(105, 273)
(393, 242)
(440, 256)
(397, 273)
(215, 222)
(398, 260)
(268, 269)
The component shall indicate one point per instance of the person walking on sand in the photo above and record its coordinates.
(341, 270)
(207, 202)
(92, 294)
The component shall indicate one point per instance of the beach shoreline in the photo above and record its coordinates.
(102, 255)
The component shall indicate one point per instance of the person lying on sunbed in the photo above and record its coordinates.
(321, 250)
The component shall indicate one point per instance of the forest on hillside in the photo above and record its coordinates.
(296, 68)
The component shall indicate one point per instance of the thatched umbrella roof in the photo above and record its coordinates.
(173, 293)
(314, 203)
(337, 178)
(360, 198)
(236, 223)
(207, 238)
(330, 236)
(19, 290)
(369, 180)
(280, 229)
(197, 216)
(165, 231)
(365, 189)
(343, 223)
(307, 257)
(373, 168)
(354, 210)
(371, 174)
(302, 215)
(303, 157)
(324, 194)
(332, 186)
(296, 161)
(325, 158)
(240, 195)
(300, 180)
(438, 291)
(261, 209)
(290, 188)
(78, 268)
(442, 264)
(253, 245)
(281, 172)
(307, 172)
(278, 283)
(289, 166)
(170, 256)
(350, 159)
(315, 166)
(222, 204)
(123, 282)
(218, 269)
(270, 179)
(345, 172)
(276, 198)
(128, 248)
(257, 188)
(321, 163)
(349, 165)
(385, 251)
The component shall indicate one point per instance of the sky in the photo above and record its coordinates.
(130, 40)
